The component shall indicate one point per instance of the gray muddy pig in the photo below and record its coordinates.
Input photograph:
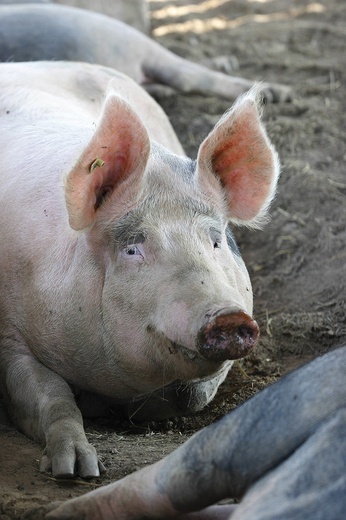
(119, 274)
(283, 452)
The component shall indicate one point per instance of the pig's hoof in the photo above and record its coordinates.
(72, 461)
(274, 93)
(225, 64)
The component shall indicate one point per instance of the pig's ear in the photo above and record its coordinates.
(116, 154)
(239, 154)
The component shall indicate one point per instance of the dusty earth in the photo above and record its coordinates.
(297, 263)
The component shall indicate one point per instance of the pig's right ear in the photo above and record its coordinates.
(116, 156)
(238, 155)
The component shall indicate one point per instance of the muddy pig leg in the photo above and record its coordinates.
(43, 407)
(309, 485)
(226, 458)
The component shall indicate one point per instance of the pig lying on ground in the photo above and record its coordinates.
(56, 32)
(283, 452)
(120, 276)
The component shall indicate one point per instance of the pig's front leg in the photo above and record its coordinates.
(42, 405)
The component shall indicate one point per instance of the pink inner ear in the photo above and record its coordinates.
(241, 156)
(118, 151)
(245, 166)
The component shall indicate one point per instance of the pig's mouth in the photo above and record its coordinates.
(187, 353)
(190, 356)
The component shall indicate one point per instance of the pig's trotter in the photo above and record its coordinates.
(275, 93)
(44, 408)
(68, 452)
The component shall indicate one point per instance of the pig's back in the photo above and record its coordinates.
(44, 124)
(71, 94)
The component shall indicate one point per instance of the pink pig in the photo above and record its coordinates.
(120, 277)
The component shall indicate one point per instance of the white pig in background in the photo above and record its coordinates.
(119, 275)
(31, 32)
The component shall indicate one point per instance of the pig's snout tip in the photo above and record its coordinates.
(228, 336)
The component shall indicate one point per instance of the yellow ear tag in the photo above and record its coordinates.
(98, 163)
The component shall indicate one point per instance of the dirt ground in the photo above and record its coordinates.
(297, 263)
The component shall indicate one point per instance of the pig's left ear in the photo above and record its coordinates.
(114, 160)
(239, 154)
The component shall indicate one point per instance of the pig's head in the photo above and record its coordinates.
(176, 302)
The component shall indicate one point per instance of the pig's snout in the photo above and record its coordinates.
(227, 336)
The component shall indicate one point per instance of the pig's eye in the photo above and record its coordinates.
(132, 250)
(216, 237)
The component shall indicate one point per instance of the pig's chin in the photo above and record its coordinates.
(188, 362)
(187, 353)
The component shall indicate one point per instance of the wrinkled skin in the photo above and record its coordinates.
(283, 452)
(59, 32)
(119, 275)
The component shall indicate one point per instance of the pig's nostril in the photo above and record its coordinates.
(230, 336)
(245, 332)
